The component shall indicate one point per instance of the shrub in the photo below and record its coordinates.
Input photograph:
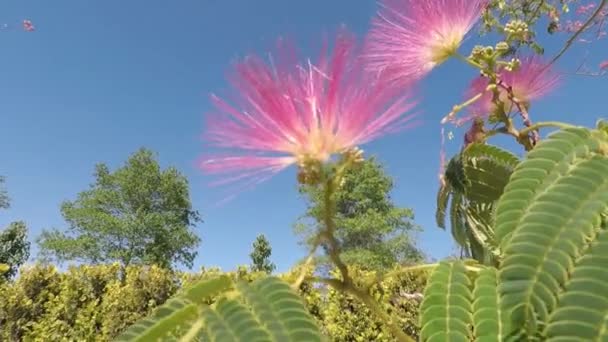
(98, 302)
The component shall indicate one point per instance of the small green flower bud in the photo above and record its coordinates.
(477, 52)
(502, 47)
(515, 63)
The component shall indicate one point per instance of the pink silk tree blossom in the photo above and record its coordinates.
(409, 38)
(25, 25)
(531, 81)
(28, 26)
(285, 112)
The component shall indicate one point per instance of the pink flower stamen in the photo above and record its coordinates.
(285, 112)
(531, 81)
(410, 37)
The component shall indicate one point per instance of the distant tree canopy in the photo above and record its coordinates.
(260, 256)
(4, 199)
(14, 246)
(373, 232)
(138, 214)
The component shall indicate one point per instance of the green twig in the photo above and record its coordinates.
(570, 41)
(418, 268)
(457, 108)
(296, 285)
(498, 130)
(538, 125)
(468, 61)
(405, 270)
(330, 182)
(330, 226)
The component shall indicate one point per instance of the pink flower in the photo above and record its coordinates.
(532, 80)
(410, 37)
(28, 26)
(286, 112)
(584, 9)
(604, 65)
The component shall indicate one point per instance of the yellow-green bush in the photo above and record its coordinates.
(86, 303)
(96, 303)
(347, 319)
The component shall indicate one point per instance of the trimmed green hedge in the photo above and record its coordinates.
(96, 303)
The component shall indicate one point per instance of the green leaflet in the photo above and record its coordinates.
(443, 196)
(457, 223)
(207, 288)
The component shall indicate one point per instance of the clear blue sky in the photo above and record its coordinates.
(99, 79)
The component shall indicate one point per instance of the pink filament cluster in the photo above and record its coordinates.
(585, 9)
(532, 80)
(288, 111)
(407, 35)
(25, 25)
(597, 28)
(28, 26)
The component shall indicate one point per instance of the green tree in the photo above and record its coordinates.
(260, 256)
(14, 247)
(372, 231)
(138, 214)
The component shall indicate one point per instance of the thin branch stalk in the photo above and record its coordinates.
(333, 249)
(570, 41)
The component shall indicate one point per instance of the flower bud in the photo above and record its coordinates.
(502, 47)
(515, 63)
(476, 133)
(477, 52)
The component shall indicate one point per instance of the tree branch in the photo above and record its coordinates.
(570, 41)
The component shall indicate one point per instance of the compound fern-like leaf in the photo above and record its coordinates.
(546, 218)
(443, 197)
(487, 169)
(474, 181)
